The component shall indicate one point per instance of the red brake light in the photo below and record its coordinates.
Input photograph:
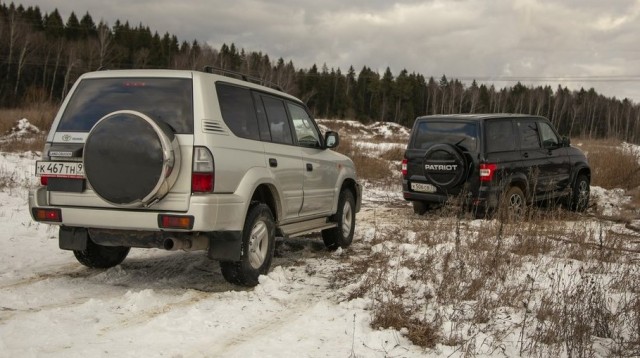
(487, 171)
(44, 180)
(404, 167)
(203, 171)
(202, 182)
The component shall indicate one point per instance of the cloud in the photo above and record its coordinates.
(550, 40)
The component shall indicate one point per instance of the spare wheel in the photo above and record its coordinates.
(130, 160)
(445, 165)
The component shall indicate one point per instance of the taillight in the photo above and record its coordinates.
(487, 171)
(53, 215)
(404, 167)
(175, 222)
(203, 171)
(44, 180)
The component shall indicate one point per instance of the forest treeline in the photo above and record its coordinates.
(42, 54)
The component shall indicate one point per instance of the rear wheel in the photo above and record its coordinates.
(342, 235)
(258, 244)
(514, 204)
(98, 256)
(580, 194)
(420, 207)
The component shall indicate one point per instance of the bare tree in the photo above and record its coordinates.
(141, 58)
(72, 61)
(58, 46)
(13, 38)
(104, 44)
(25, 51)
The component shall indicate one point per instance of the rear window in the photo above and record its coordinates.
(236, 105)
(169, 100)
(463, 134)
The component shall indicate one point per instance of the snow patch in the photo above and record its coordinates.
(22, 129)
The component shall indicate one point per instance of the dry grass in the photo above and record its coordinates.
(611, 166)
(41, 116)
(367, 167)
(567, 283)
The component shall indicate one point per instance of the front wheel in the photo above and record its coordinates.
(258, 244)
(98, 256)
(342, 235)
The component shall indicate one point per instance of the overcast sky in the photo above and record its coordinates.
(576, 43)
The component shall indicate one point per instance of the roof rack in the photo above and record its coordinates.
(241, 76)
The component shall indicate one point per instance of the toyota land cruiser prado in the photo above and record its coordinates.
(194, 161)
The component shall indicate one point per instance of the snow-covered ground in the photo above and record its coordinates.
(160, 303)
(176, 304)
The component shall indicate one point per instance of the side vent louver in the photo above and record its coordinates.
(211, 126)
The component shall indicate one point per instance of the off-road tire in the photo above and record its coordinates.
(513, 204)
(98, 256)
(342, 235)
(258, 245)
(445, 154)
(420, 207)
(131, 160)
(580, 194)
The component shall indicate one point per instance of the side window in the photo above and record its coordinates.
(305, 130)
(263, 123)
(549, 137)
(238, 111)
(278, 120)
(500, 136)
(528, 131)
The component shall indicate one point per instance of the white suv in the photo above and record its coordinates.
(194, 161)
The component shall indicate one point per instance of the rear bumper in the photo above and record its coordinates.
(484, 197)
(211, 212)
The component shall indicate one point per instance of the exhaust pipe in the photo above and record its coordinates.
(191, 244)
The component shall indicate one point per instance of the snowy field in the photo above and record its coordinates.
(316, 303)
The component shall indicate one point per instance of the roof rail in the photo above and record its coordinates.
(241, 76)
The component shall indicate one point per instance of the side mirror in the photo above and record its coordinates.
(331, 139)
(566, 142)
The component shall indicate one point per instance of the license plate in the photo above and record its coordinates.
(60, 169)
(427, 188)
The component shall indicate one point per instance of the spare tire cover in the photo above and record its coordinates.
(444, 165)
(130, 159)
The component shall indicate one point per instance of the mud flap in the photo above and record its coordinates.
(73, 238)
(225, 245)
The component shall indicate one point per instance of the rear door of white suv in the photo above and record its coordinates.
(283, 157)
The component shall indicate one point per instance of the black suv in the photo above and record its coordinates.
(483, 158)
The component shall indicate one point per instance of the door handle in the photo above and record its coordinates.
(273, 162)
(525, 154)
(309, 167)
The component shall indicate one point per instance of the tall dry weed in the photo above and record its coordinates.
(368, 166)
(611, 165)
